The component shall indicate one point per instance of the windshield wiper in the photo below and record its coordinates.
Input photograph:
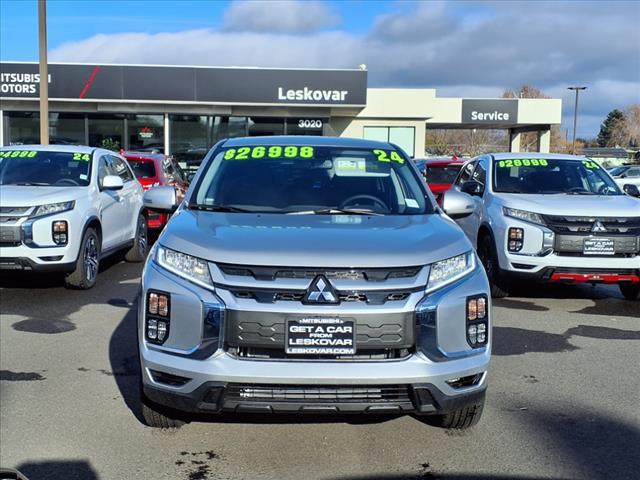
(29, 184)
(220, 208)
(581, 192)
(329, 211)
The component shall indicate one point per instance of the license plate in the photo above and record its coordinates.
(320, 336)
(598, 246)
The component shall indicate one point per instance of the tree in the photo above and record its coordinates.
(632, 125)
(110, 144)
(611, 128)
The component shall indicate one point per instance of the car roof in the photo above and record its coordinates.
(548, 156)
(55, 148)
(304, 140)
(441, 162)
(143, 156)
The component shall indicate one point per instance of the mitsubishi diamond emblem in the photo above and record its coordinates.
(320, 291)
(598, 227)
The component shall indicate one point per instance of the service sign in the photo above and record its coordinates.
(124, 83)
(497, 111)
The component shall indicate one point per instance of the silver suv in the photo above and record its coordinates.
(551, 218)
(312, 276)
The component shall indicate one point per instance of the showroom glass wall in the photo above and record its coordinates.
(115, 131)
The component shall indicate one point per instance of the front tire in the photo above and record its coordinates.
(157, 416)
(489, 259)
(138, 251)
(630, 291)
(85, 274)
(460, 419)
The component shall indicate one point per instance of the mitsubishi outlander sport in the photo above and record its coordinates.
(551, 218)
(312, 276)
(64, 208)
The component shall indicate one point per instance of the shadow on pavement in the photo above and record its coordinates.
(58, 470)
(518, 341)
(518, 305)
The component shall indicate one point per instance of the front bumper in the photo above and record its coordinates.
(28, 265)
(175, 375)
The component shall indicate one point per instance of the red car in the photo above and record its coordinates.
(153, 170)
(440, 173)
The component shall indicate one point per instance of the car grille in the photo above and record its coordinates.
(572, 245)
(10, 221)
(317, 394)
(272, 273)
(257, 353)
(271, 296)
(615, 226)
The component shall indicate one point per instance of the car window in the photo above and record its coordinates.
(312, 179)
(104, 168)
(121, 168)
(442, 173)
(45, 168)
(633, 173)
(540, 176)
(143, 169)
(465, 173)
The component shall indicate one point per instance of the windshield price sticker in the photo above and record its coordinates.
(274, 151)
(591, 165)
(84, 157)
(523, 162)
(18, 154)
(386, 156)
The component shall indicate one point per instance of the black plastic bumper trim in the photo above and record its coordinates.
(27, 265)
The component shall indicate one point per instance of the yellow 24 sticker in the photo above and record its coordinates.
(81, 156)
(274, 151)
(385, 156)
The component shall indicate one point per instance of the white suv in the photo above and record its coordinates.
(550, 218)
(64, 208)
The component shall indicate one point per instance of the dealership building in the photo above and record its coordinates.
(184, 110)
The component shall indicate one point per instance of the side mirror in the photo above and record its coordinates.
(160, 199)
(457, 204)
(112, 182)
(631, 190)
(472, 187)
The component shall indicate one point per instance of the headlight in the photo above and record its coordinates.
(52, 208)
(523, 215)
(192, 268)
(448, 271)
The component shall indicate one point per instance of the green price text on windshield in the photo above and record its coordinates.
(591, 165)
(385, 156)
(18, 154)
(523, 162)
(274, 151)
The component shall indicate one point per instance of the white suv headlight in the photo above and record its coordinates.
(448, 271)
(523, 215)
(52, 208)
(192, 268)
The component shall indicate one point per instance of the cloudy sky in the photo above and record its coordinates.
(471, 49)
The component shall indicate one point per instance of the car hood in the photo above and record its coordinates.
(314, 240)
(26, 196)
(574, 205)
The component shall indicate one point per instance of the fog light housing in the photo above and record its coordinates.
(60, 232)
(157, 316)
(477, 321)
(516, 239)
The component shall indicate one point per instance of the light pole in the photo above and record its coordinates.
(44, 72)
(575, 115)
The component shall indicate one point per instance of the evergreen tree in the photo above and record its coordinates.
(614, 121)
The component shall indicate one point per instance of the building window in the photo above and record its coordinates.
(259, 126)
(106, 131)
(21, 128)
(145, 133)
(67, 128)
(404, 137)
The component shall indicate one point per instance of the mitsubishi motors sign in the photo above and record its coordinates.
(130, 83)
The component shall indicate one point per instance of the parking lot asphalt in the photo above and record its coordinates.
(562, 401)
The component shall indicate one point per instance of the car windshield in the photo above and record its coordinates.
(45, 168)
(552, 176)
(614, 172)
(442, 173)
(143, 169)
(311, 180)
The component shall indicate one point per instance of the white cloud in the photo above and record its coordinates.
(427, 45)
(279, 16)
